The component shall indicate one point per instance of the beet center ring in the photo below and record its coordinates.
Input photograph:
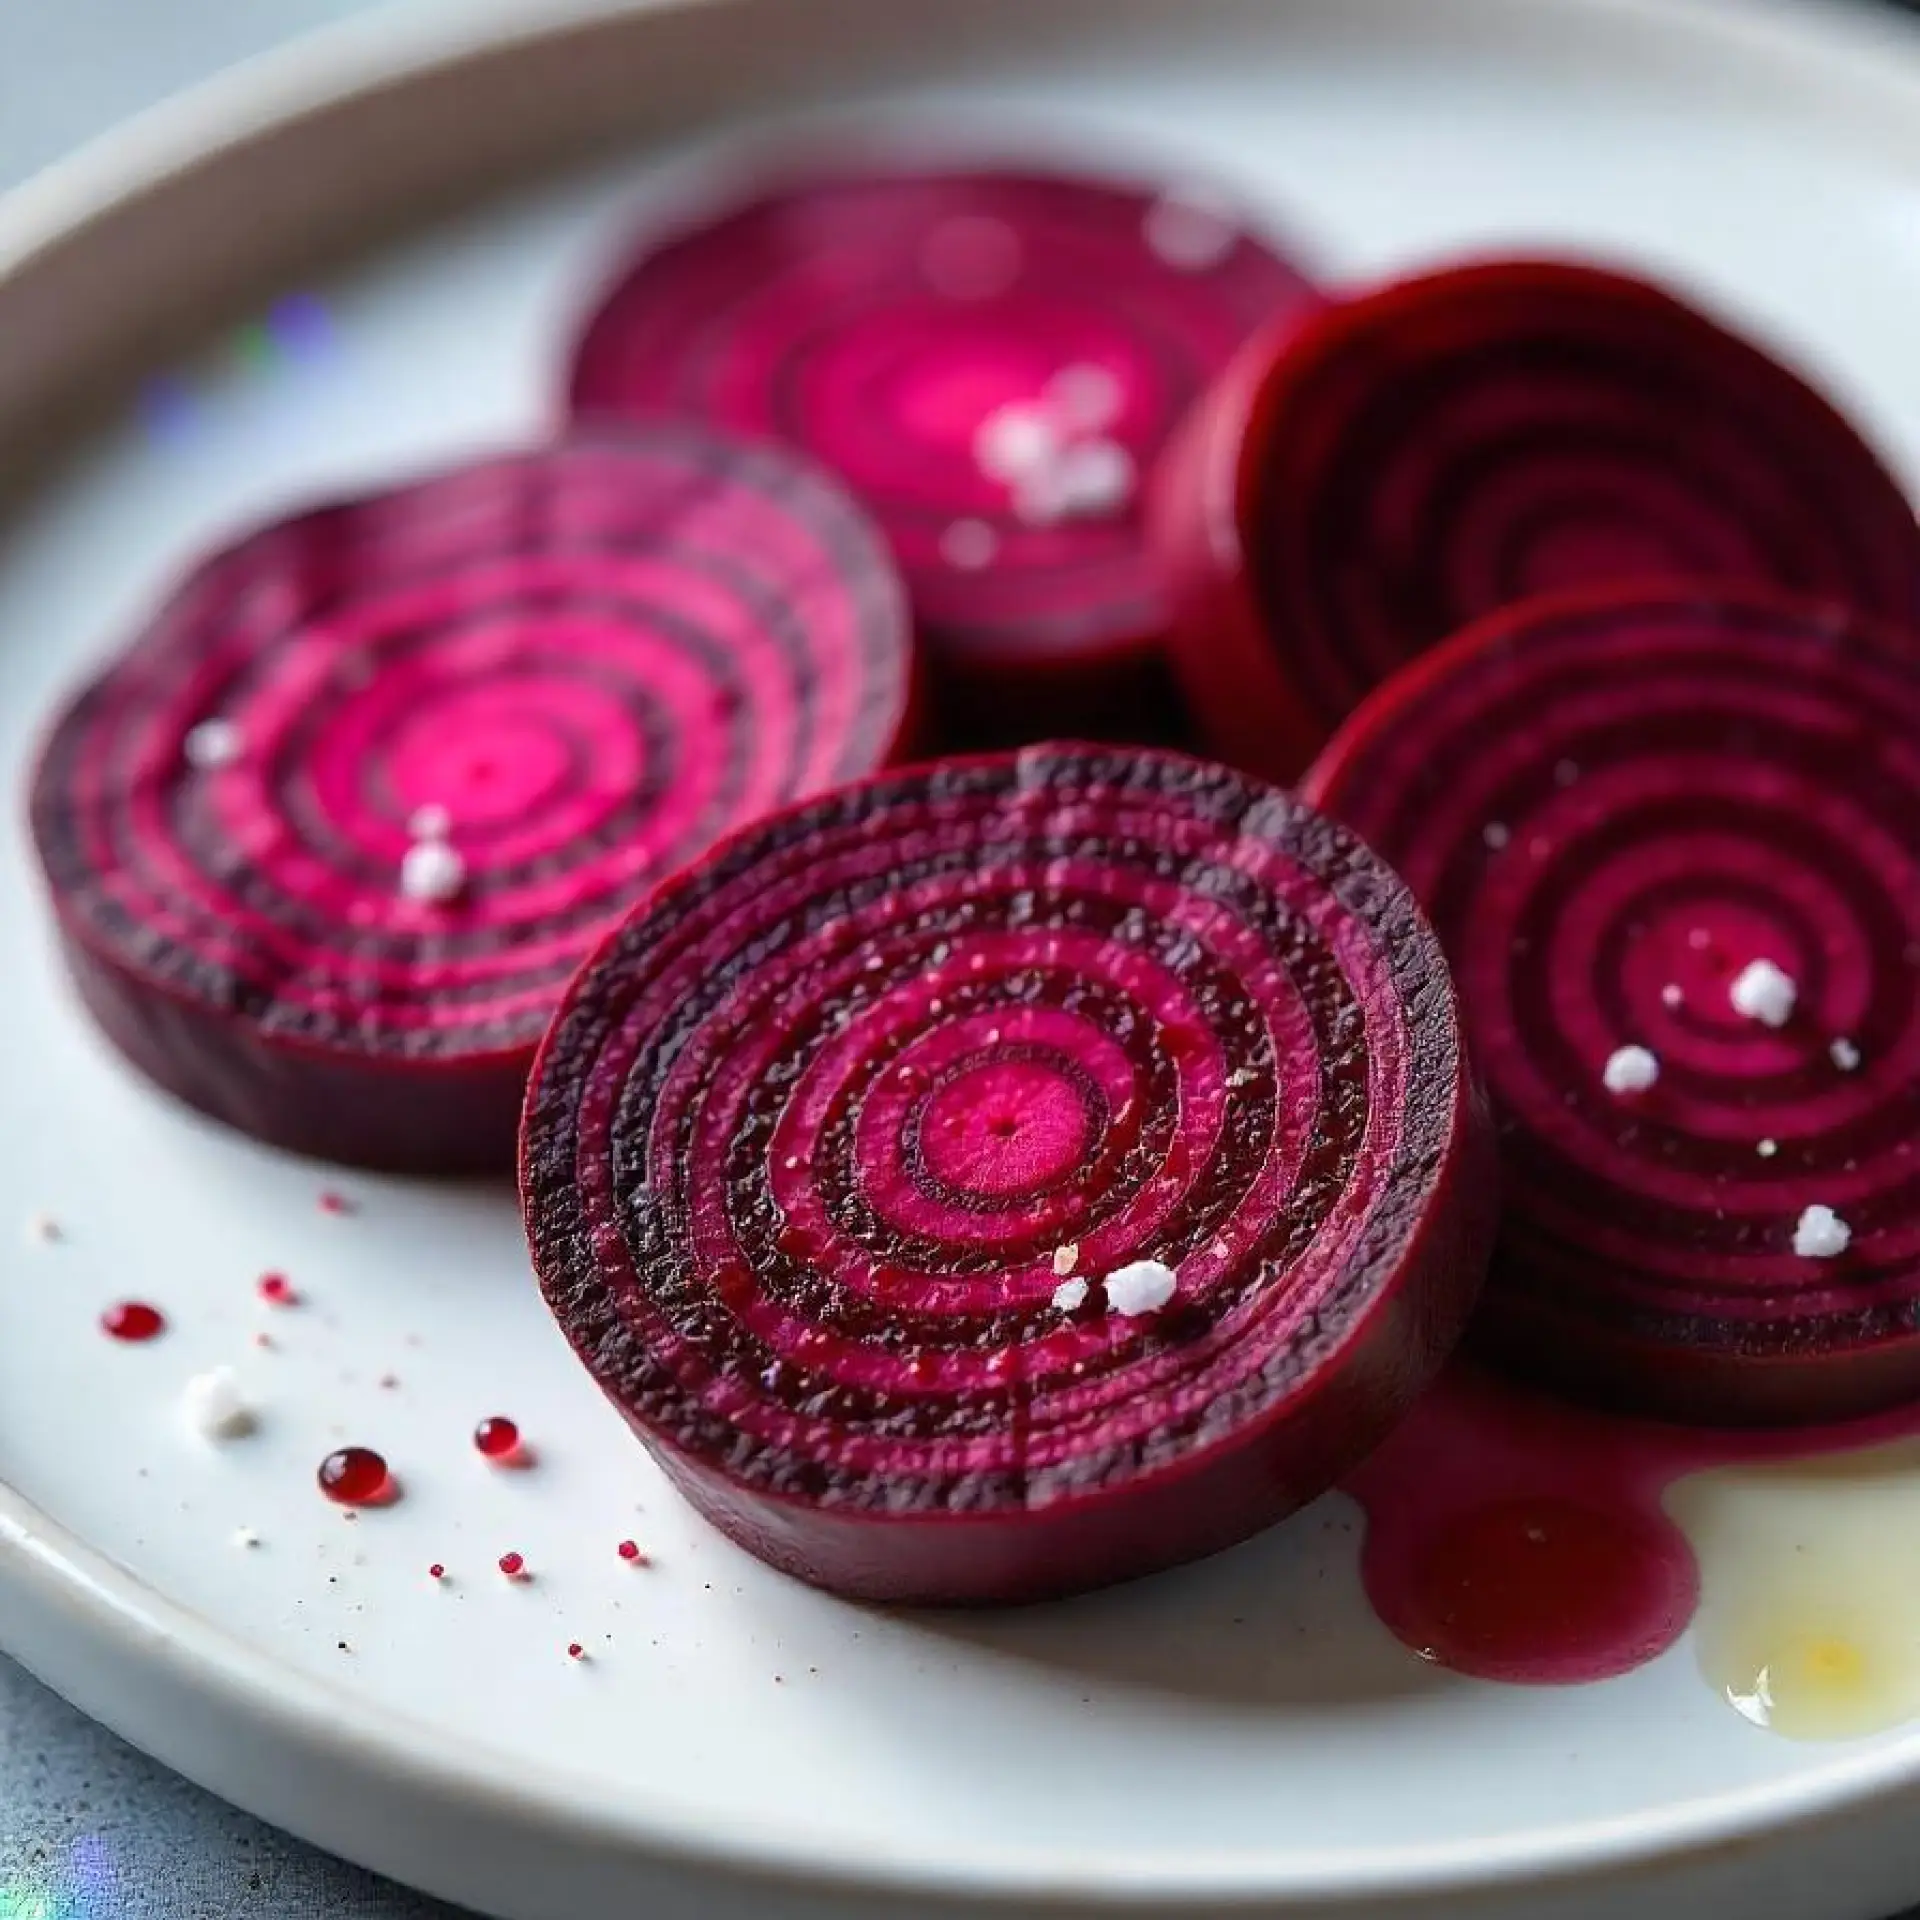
(991, 360)
(843, 1157)
(328, 840)
(1669, 840)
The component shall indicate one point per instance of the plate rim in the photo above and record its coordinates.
(72, 1613)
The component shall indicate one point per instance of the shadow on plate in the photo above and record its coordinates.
(1281, 1621)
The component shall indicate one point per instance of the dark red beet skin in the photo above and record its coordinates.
(1614, 805)
(327, 840)
(818, 1134)
(1363, 483)
(914, 330)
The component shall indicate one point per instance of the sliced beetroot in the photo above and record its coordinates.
(992, 360)
(1633, 815)
(848, 1160)
(1364, 484)
(326, 842)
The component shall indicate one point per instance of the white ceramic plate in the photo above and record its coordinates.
(1239, 1736)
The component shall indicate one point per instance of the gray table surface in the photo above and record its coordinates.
(90, 1829)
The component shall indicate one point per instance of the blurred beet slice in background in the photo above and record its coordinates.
(327, 840)
(1363, 484)
(1014, 1175)
(1671, 842)
(992, 360)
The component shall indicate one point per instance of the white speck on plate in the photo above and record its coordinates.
(1763, 992)
(1630, 1070)
(1141, 1286)
(215, 1408)
(1820, 1234)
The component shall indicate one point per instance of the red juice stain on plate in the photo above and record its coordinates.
(356, 1477)
(1515, 1538)
(498, 1439)
(133, 1320)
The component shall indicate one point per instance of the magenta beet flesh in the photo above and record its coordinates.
(992, 361)
(820, 1132)
(1360, 486)
(327, 841)
(1614, 806)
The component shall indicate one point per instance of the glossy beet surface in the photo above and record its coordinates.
(992, 360)
(1361, 485)
(824, 1136)
(1623, 811)
(327, 840)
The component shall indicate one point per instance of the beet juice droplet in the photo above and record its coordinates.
(355, 1477)
(277, 1290)
(133, 1320)
(498, 1438)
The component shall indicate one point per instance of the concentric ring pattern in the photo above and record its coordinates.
(573, 669)
(1452, 443)
(820, 1134)
(1614, 807)
(878, 319)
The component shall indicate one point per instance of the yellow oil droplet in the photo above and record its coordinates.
(1809, 1619)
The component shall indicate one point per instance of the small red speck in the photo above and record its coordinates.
(575, 1651)
(332, 1202)
(278, 1291)
(133, 1320)
(263, 1339)
(513, 1565)
(630, 1550)
(355, 1477)
(497, 1437)
(436, 1571)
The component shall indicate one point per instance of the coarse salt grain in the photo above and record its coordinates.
(1671, 996)
(1014, 442)
(245, 1537)
(1495, 834)
(432, 872)
(430, 823)
(1820, 1234)
(1630, 1070)
(1844, 1055)
(1141, 1286)
(1763, 992)
(215, 1408)
(1070, 1295)
(1767, 1149)
(211, 745)
(1067, 1257)
(1093, 478)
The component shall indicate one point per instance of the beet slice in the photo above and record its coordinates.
(992, 360)
(849, 1157)
(327, 840)
(1626, 813)
(1370, 480)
